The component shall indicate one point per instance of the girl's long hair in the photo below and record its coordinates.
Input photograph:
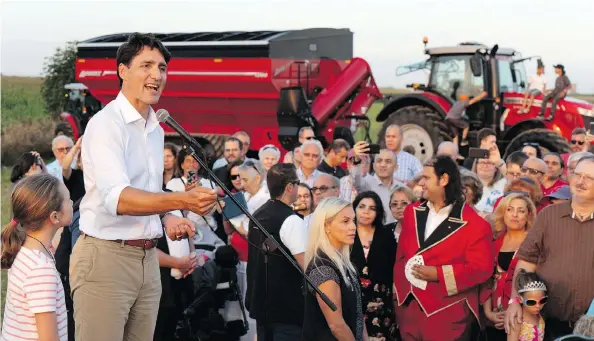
(33, 199)
(318, 241)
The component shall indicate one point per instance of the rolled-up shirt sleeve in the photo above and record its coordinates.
(103, 155)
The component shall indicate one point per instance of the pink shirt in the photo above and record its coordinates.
(34, 286)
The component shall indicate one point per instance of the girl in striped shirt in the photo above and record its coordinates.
(35, 308)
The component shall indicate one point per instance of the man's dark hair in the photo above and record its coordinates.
(445, 165)
(516, 158)
(131, 48)
(484, 133)
(578, 131)
(561, 162)
(279, 176)
(235, 139)
(338, 144)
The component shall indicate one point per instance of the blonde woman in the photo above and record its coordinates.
(513, 218)
(331, 234)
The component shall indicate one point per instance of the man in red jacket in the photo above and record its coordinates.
(456, 247)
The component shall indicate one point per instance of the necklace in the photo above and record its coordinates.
(46, 250)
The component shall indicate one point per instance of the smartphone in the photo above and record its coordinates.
(478, 153)
(591, 128)
(373, 149)
(191, 177)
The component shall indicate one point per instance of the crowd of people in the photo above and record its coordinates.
(111, 241)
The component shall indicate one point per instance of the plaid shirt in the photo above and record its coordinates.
(408, 167)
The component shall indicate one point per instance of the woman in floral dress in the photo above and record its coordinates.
(374, 254)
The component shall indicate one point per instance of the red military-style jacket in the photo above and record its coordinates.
(461, 248)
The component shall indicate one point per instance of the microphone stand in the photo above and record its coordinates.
(189, 146)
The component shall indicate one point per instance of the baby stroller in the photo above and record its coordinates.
(215, 284)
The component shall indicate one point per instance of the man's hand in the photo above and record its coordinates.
(178, 228)
(201, 200)
(360, 148)
(513, 316)
(495, 155)
(187, 264)
(426, 273)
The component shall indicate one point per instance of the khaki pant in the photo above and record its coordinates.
(116, 290)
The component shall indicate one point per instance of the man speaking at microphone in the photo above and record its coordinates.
(114, 270)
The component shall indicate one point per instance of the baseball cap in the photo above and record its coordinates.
(559, 66)
(562, 193)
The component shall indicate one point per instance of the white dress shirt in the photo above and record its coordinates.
(120, 149)
(435, 218)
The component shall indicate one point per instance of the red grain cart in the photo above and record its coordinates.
(219, 83)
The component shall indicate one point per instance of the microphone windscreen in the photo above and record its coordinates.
(162, 115)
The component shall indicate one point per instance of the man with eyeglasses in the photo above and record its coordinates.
(572, 162)
(559, 249)
(535, 169)
(61, 146)
(305, 134)
(514, 162)
(312, 153)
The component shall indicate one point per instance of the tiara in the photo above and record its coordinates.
(533, 286)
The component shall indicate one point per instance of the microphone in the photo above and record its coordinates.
(164, 117)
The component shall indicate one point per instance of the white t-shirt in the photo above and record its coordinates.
(34, 287)
(537, 82)
(293, 234)
(490, 196)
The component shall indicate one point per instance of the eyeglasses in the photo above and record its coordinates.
(531, 171)
(399, 203)
(322, 189)
(310, 138)
(64, 149)
(581, 143)
(234, 176)
(311, 155)
(532, 303)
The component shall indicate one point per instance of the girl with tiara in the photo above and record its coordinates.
(533, 294)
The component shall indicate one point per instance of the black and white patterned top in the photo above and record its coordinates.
(315, 326)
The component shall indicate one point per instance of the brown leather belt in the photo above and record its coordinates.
(144, 244)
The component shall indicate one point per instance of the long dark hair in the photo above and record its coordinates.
(380, 214)
(33, 200)
(22, 166)
(445, 165)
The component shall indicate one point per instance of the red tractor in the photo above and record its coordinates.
(267, 83)
(471, 68)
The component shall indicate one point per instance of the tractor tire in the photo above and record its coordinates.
(422, 128)
(548, 140)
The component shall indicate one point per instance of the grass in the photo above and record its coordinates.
(21, 99)
(5, 183)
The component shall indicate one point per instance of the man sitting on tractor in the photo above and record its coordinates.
(562, 85)
(537, 85)
(455, 117)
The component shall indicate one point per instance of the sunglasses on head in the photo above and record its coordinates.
(581, 143)
(531, 144)
(532, 303)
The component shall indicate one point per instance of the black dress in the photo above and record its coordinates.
(376, 276)
(315, 326)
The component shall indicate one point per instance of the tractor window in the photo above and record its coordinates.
(451, 76)
(506, 82)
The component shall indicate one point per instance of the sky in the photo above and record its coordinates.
(386, 33)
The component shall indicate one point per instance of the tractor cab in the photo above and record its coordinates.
(470, 68)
